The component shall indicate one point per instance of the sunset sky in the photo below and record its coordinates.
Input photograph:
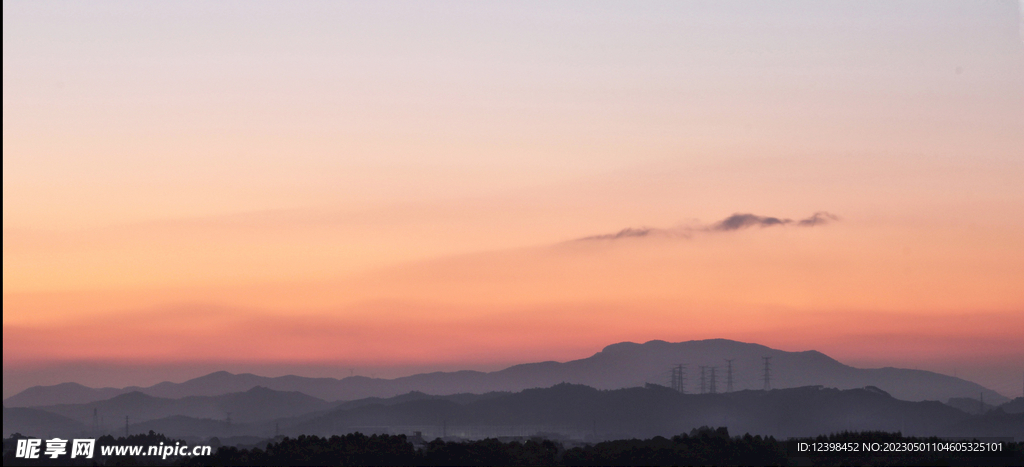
(381, 188)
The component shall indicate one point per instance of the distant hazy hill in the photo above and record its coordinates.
(575, 411)
(255, 404)
(463, 398)
(583, 412)
(617, 366)
(64, 393)
(37, 423)
(1014, 406)
(971, 406)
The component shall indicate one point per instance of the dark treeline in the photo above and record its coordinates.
(704, 446)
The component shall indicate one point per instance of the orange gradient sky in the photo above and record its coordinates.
(395, 187)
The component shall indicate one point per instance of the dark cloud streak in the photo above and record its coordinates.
(736, 221)
(624, 233)
(741, 221)
(819, 218)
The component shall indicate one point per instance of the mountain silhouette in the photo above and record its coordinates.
(1014, 406)
(971, 406)
(584, 412)
(617, 366)
(37, 422)
(256, 404)
(561, 411)
(64, 393)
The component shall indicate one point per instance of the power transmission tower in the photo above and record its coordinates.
(703, 380)
(728, 377)
(678, 380)
(767, 373)
(714, 380)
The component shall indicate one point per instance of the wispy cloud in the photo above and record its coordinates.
(819, 218)
(741, 221)
(736, 221)
(625, 233)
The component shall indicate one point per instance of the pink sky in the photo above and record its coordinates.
(397, 187)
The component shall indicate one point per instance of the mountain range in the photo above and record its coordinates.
(565, 411)
(617, 366)
(256, 404)
(582, 412)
